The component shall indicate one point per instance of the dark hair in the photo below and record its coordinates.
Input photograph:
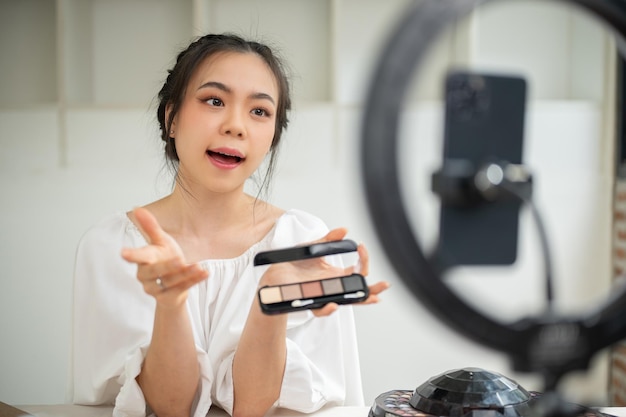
(173, 91)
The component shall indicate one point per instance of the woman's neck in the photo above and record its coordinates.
(214, 226)
(183, 212)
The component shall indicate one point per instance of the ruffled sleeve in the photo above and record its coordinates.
(105, 295)
(112, 323)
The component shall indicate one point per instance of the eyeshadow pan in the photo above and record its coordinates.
(270, 295)
(332, 286)
(312, 289)
(278, 299)
(352, 283)
(291, 292)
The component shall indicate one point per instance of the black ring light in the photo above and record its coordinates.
(529, 341)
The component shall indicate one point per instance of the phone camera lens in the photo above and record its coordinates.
(468, 97)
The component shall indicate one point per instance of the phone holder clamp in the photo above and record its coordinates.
(460, 183)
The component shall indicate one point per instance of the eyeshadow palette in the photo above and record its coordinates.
(395, 403)
(284, 298)
(300, 294)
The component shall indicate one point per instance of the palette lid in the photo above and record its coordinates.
(462, 392)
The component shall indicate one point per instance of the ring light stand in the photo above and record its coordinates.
(548, 344)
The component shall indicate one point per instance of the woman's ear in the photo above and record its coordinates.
(168, 110)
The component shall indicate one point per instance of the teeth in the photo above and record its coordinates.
(226, 155)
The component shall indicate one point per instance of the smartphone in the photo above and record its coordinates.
(483, 122)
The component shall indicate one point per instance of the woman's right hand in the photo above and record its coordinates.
(161, 266)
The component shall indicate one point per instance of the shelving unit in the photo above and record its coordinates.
(115, 53)
(29, 54)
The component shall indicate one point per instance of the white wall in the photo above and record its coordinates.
(62, 170)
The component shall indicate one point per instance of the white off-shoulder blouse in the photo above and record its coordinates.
(113, 318)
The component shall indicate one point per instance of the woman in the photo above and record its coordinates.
(175, 326)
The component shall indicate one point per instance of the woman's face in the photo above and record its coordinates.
(226, 123)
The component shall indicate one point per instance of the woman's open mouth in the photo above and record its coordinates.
(224, 159)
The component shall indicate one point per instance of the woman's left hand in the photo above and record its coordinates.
(317, 269)
(375, 289)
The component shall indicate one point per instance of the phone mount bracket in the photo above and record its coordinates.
(460, 183)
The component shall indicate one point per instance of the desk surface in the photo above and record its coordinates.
(68, 410)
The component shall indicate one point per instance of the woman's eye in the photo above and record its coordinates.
(214, 101)
(260, 112)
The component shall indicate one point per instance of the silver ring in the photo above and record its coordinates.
(160, 283)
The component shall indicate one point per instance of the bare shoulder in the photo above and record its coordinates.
(155, 208)
(266, 213)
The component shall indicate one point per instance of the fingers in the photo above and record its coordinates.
(373, 298)
(378, 287)
(175, 282)
(363, 267)
(186, 279)
(160, 283)
(163, 269)
(335, 234)
(363, 264)
(375, 290)
(327, 310)
(149, 225)
(144, 255)
(160, 245)
(161, 266)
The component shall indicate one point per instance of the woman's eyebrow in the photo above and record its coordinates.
(224, 88)
(215, 84)
(263, 96)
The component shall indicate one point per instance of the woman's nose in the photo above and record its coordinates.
(233, 124)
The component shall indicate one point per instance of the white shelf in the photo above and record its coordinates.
(117, 52)
(28, 49)
(299, 29)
